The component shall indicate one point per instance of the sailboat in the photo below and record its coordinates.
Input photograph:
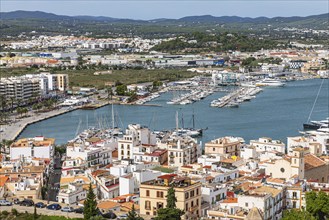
(115, 131)
(314, 125)
(192, 132)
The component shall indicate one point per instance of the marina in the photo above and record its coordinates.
(280, 113)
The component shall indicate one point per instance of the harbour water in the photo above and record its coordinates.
(275, 112)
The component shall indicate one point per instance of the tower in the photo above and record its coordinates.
(297, 162)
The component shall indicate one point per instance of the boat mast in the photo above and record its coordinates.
(176, 120)
(112, 117)
(317, 96)
(193, 119)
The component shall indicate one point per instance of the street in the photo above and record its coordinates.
(54, 178)
(42, 211)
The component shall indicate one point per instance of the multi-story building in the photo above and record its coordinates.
(72, 194)
(267, 144)
(40, 147)
(91, 155)
(226, 146)
(260, 203)
(19, 90)
(299, 164)
(183, 151)
(188, 193)
(62, 82)
(135, 135)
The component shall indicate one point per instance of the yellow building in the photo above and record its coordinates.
(63, 82)
(188, 193)
(226, 146)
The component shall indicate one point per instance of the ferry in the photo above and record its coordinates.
(270, 82)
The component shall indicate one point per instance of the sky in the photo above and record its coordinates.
(151, 9)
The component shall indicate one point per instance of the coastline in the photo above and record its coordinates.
(13, 130)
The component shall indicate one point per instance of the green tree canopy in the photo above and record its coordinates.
(90, 204)
(170, 212)
(318, 205)
(132, 215)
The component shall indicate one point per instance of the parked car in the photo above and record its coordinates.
(40, 205)
(109, 215)
(54, 206)
(4, 202)
(67, 209)
(17, 202)
(79, 210)
(124, 216)
(26, 202)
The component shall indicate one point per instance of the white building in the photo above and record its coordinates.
(267, 144)
(40, 147)
(135, 135)
(72, 194)
(183, 151)
(91, 154)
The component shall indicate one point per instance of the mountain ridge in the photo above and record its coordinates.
(20, 14)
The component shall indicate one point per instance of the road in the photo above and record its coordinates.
(54, 178)
(42, 211)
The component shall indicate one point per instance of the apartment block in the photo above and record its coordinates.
(188, 193)
(39, 147)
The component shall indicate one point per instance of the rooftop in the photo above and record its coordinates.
(170, 180)
(312, 161)
(36, 142)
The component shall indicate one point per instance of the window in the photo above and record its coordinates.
(294, 204)
(147, 205)
(186, 206)
(192, 204)
(213, 149)
(186, 195)
(197, 192)
(159, 194)
(147, 192)
(159, 205)
(192, 193)
(197, 202)
(294, 194)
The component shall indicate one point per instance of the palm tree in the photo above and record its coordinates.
(12, 100)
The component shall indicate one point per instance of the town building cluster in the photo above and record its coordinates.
(232, 179)
(27, 88)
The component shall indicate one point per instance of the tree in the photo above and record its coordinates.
(121, 89)
(317, 204)
(90, 204)
(296, 214)
(170, 212)
(132, 215)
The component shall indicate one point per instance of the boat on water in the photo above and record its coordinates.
(270, 82)
(315, 125)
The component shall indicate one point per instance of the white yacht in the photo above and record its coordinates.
(270, 82)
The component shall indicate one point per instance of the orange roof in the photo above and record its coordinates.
(167, 176)
(312, 161)
(3, 180)
(98, 172)
(108, 205)
(127, 206)
(231, 200)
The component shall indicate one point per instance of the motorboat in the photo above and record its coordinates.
(270, 82)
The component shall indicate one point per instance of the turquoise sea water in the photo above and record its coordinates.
(276, 113)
